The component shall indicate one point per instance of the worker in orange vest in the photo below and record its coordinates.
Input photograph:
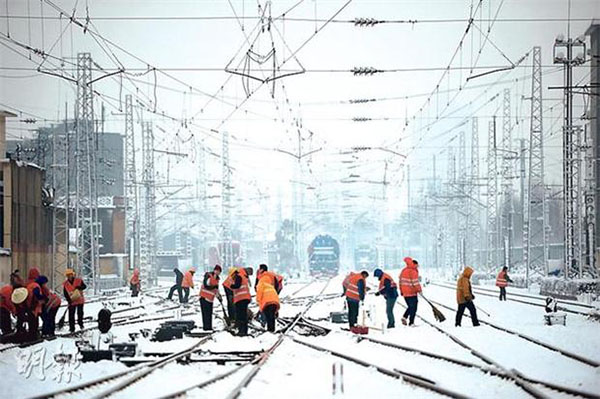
(6, 309)
(241, 299)
(229, 293)
(410, 288)
(275, 279)
(268, 302)
(355, 287)
(208, 290)
(389, 290)
(464, 298)
(134, 282)
(15, 304)
(188, 282)
(502, 281)
(36, 299)
(49, 311)
(73, 292)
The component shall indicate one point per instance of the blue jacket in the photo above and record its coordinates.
(388, 291)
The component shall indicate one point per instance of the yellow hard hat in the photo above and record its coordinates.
(19, 295)
(69, 272)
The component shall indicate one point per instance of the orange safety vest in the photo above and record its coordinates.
(54, 301)
(409, 282)
(5, 299)
(188, 280)
(266, 295)
(228, 281)
(135, 279)
(347, 280)
(71, 287)
(385, 276)
(32, 302)
(242, 293)
(352, 286)
(209, 294)
(271, 278)
(501, 279)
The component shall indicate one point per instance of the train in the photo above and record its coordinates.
(324, 256)
(365, 257)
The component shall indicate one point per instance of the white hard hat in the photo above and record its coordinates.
(19, 295)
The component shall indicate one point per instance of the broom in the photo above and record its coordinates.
(61, 322)
(226, 316)
(439, 316)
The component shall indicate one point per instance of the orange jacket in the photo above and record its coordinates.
(463, 287)
(34, 273)
(352, 290)
(276, 280)
(501, 279)
(188, 280)
(266, 294)
(243, 292)
(135, 277)
(212, 281)
(409, 279)
(5, 299)
(34, 304)
(72, 287)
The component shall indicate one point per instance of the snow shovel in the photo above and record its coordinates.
(439, 316)
(226, 316)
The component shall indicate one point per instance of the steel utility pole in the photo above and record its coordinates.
(86, 203)
(227, 257)
(535, 244)
(474, 229)
(506, 228)
(61, 204)
(148, 234)
(492, 199)
(131, 190)
(575, 267)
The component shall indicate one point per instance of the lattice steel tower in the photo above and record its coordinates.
(131, 191)
(506, 228)
(227, 257)
(492, 199)
(535, 244)
(474, 208)
(86, 202)
(148, 234)
(60, 207)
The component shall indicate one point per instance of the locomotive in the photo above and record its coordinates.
(324, 256)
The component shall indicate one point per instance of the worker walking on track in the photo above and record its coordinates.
(241, 299)
(229, 293)
(276, 280)
(188, 282)
(464, 297)
(208, 290)
(355, 286)
(73, 292)
(134, 282)
(410, 289)
(389, 290)
(268, 302)
(502, 282)
(177, 285)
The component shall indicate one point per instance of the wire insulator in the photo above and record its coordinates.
(364, 71)
(366, 22)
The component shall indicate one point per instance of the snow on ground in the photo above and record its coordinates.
(301, 372)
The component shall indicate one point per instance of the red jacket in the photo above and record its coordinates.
(409, 279)
(5, 299)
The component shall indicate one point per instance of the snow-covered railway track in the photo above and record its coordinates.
(405, 376)
(125, 378)
(533, 340)
(528, 384)
(510, 296)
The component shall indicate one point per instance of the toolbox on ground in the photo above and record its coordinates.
(339, 317)
(125, 349)
(173, 330)
(360, 330)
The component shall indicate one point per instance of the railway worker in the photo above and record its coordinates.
(135, 284)
(49, 311)
(268, 302)
(276, 280)
(177, 285)
(241, 298)
(7, 307)
(410, 289)
(35, 303)
(73, 288)
(229, 292)
(208, 290)
(389, 290)
(354, 288)
(464, 297)
(33, 273)
(15, 279)
(502, 281)
(187, 283)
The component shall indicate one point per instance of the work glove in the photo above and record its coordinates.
(377, 293)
